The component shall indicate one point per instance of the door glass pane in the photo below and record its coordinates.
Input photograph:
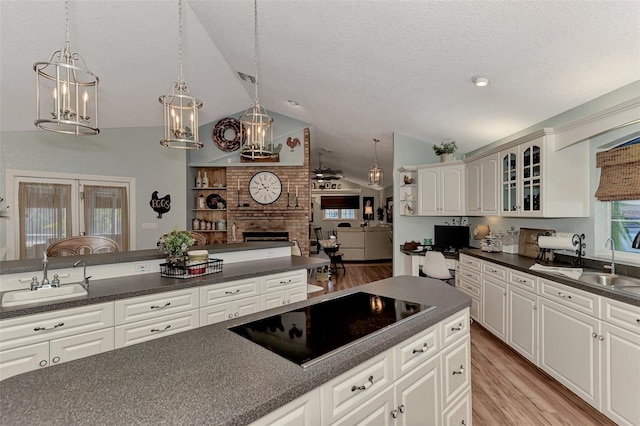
(536, 154)
(512, 196)
(526, 196)
(505, 168)
(45, 216)
(526, 172)
(535, 193)
(536, 170)
(526, 157)
(505, 198)
(106, 213)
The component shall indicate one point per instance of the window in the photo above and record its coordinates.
(336, 214)
(625, 224)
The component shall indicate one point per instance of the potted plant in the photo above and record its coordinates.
(174, 245)
(445, 150)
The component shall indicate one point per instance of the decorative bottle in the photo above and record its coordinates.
(199, 180)
(201, 203)
(205, 181)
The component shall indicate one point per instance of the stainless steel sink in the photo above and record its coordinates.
(608, 279)
(25, 297)
(629, 289)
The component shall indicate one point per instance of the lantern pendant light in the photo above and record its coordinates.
(180, 109)
(256, 123)
(376, 174)
(66, 92)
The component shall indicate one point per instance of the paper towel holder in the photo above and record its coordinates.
(578, 242)
(545, 255)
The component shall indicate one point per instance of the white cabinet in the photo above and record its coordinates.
(570, 349)
(494, 306)
(408, 191)
(522, 323)
(441, 190)
(154, 328)
(278, 298)
(219, 312)
(303, 411)
(482, 186)
(418, 395)
(40, 340)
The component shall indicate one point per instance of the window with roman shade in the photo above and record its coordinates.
(620, 173)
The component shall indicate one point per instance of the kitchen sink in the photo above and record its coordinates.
(608, 279)
(25, 297)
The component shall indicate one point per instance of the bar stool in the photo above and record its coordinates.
(335, 256)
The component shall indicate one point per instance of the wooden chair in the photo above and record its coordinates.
(84, 244)
(201, 240)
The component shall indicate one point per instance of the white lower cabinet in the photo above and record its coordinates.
(303, 411)
(522, 323)
(456, 370)
(418, 395)
(459, 413)
(233, 309)
(494, 306)
(142, 331)
(283, 297)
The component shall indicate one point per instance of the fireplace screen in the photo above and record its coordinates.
(265, 236)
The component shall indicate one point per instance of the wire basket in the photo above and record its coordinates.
(189, 271)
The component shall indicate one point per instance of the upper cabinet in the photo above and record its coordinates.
(408, 190)
(482, 186)
(537, 181)
(441, 190)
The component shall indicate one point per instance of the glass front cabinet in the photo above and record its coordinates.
(521, 180)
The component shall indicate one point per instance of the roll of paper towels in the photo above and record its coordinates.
(557, 243)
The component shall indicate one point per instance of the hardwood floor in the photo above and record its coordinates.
(506, 388)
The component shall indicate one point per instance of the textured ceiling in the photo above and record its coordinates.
(359, 69)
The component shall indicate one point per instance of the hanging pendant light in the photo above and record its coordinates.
(255, 121)
(66, 92)
(376, 174)
(180, 109)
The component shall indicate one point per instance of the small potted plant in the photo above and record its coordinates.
(445, 150)
(174, 245)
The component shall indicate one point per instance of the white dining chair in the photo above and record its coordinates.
(435, 266)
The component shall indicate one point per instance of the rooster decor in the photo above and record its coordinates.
(292, 143)
(160, 205)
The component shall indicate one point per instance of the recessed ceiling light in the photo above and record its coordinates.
(292, 102)
(480, 81)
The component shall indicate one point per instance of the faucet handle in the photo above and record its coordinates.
(56, 281)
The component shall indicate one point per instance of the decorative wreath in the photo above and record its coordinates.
(219, 131)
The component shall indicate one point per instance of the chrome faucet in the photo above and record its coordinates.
(45, 283)
(85, 280)
(610, 244)
(45, 263)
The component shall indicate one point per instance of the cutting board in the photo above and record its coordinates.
(528, 243)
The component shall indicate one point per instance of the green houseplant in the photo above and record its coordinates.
(174, 245)
(445, 150)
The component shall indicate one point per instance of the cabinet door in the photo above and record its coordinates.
(509, 183)
(303, 411)
(531, 179)
(81, 345)
(620, 374)
(246, 306)
(452, 191)
(456, 370)
(297, 294)
(376, 411)
(494, 307)
(474, 182)
(273, 299)
(418, 399)
(570, 349)
(459, 412)
(23, 359)
(488, 189)
(428, 193)
(213, 314)
(523, 323)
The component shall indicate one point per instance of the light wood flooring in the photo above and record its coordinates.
(506, 388)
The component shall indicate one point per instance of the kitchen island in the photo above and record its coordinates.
(209, 375)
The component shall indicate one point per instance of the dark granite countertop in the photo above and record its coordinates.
(137, 285)
(28, 265)
(522, 263)
(208, 375)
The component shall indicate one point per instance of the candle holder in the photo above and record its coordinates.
(288, 204)
(297, 202)
(85, 118)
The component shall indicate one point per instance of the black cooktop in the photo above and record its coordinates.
(309, 334)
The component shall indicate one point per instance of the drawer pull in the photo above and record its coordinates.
(460, 371)
(232, 292)
(286, 282)
(402, 408)
(48, 328)
(469, 287)
(458, 328)
(601, 337)
(43, 363)
(493, 270)
(56, 359)
(160, 307)
(155, 330)
(422, 349)
(594, 335)
(363, 387)
(394, 414)
(564, 296)
(638, 320)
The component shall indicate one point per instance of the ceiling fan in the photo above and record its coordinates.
(325, 173)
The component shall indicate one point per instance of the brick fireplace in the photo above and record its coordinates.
(277, 216)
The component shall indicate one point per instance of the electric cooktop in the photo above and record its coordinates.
(312, 333)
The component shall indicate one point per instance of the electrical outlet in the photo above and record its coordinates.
(150, 226)
(270, 253)
(141, 267)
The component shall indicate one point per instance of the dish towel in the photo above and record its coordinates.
(573, 273)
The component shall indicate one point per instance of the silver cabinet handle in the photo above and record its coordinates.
(394, 414)
(534, 307)
(460, 371)
(155, 330)
(594, 335)
(56, 359)
(160, 307)
(43, 363)
(422, 349)
(232, 292)
(237, 314)
(363, 387)
(51, 327)
(286, 282)
(458, 328)
(463, 423)
(564, 296)
(402, 408)
(638, 320)
(601, 337)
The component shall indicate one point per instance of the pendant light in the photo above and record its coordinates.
(180, 108)
(376, 174)
(66, 92)
(255, 121)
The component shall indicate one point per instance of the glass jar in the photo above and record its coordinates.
(510, 241)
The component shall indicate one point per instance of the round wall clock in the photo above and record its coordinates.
(265, 187)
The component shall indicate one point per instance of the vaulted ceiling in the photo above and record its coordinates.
(358, 69)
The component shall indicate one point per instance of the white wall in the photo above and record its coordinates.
(132, 152)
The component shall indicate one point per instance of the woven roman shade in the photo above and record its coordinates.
(620, 174)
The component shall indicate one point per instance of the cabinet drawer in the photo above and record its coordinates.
(141, 331)
(284, 280)
(456, 370)
(621, 314)
(523, 281)
(454, 327)
(36, 328)
(218, 293)
(470, 262)
(354, 387)
(572, 297)
(155, 305)
(417, 349)
(470, 287)
(469, 275)
(494, 270)
(459, 413)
